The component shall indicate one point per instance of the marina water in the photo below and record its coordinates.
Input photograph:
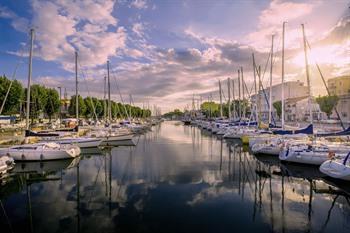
(176, 179)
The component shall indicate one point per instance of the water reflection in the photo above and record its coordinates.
(176, 179)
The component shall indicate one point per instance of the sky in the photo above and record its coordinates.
(162, 52)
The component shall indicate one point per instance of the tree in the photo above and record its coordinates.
(327, 103)
(14, 97)
(101, 113)
(38, 100)
(98, 106)
(53, 103)
(175, 113)
(278, 107)
(81, 107)
(210, 109)
(90, 103)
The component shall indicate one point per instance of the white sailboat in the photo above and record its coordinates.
(273, 144)
(38, 151)
(310, 153)
(336, 168)
(41, 151)
(112, 136)
(81, 142)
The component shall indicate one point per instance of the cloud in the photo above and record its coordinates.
(279, 11)
(134, 53)
(86, 26)
(139, 4)
(271, 19)
(19, 23)
(138, 29)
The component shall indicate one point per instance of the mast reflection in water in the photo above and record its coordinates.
(176, 179)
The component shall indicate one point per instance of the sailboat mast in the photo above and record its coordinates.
(239, 96)
(255, 90)
(243, 94)
(307, 74)
(270, 95)
(104, 97)
(233, 98)
(29, 76)
(76, 88)
(109, 94)
(283, 32)
(220, 98)
(130, 107)
(229, 97)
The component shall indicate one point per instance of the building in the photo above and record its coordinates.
(340, 86)
(294, 91)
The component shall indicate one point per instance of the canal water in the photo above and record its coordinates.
(176, 179)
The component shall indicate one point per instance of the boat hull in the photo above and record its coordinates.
(82, 143)
(117, 140)
(336, 169)
(305, 157)
(25, 154)
(266, 149)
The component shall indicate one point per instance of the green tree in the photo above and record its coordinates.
(327, 103)
(98, 106)
(81, 103)
(210, 109)
(92, 107)
(175, 113)
(53, 103)
(101, 113)
(278, 107)
(38, 100)
(14, 97)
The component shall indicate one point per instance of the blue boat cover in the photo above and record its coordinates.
(339, 133)
(308, 130)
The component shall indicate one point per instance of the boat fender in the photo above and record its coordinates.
(41, 156)
(23, 157)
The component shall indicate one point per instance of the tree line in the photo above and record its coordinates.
(212, 109)
(92, 107)
(46, 101)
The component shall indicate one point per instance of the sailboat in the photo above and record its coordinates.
(81, 142)
(337, 168)
(311, 153)
(111, 136)
(38, 151)
(42, 151)
(274, 144)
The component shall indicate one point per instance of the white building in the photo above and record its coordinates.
(294, 91)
